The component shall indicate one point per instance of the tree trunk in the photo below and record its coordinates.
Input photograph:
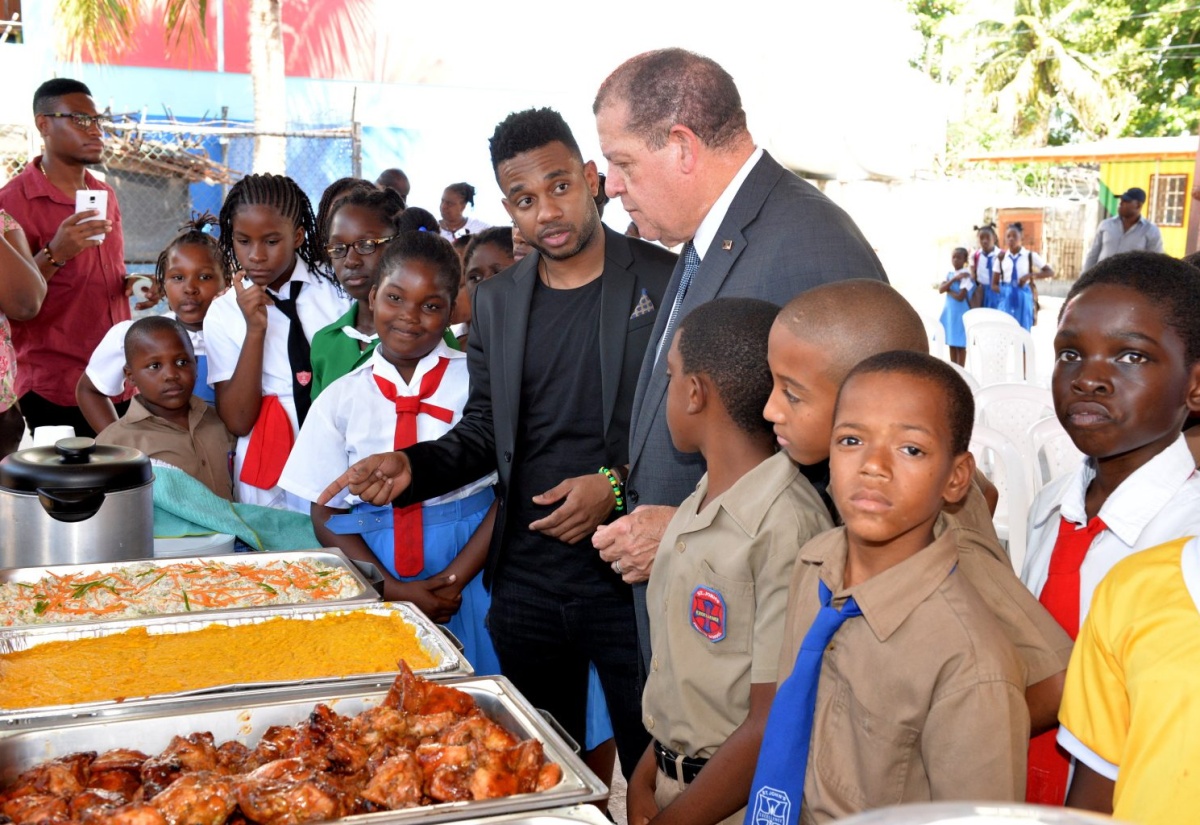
(270, 93)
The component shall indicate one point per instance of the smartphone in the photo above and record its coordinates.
(97, 199)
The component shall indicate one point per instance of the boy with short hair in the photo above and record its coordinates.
(165, 420)
(1126, 376)
(893, 667)
(718, 588)
(814, 344)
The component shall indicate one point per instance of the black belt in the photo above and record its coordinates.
(668, 760)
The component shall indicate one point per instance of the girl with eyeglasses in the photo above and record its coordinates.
(361, 224)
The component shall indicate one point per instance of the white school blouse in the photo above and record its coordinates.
(351, 420)
(1159, 502)
(320, 304)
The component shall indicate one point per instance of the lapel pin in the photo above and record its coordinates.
(727, 245)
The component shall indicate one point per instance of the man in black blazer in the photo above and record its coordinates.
(554, 353)
(681, 159)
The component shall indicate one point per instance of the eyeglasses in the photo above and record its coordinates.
(363, 247)
(83, 122)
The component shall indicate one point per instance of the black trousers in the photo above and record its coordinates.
(546, 641)
(39, 412)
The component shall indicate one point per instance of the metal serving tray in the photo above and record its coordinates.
(449, 661)
(331, 557)
(148, 726)
(554, 816)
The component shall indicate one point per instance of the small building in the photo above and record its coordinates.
(1162, 166)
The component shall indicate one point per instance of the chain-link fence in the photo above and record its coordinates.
(163, 171)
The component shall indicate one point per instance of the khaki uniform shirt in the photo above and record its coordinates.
(717, 596)
(201, 451)
(1042, 644)
(921, 698)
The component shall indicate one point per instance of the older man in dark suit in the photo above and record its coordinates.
(681, 159)
(554, 353)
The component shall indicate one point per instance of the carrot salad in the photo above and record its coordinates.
(151, 590)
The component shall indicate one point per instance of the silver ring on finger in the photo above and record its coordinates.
(616, 567)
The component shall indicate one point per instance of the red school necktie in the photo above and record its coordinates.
(408, 535)
(1049, 766)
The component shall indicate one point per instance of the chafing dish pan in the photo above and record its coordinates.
(449, 661)
(148, 726)
(555, 816)
(332, 557)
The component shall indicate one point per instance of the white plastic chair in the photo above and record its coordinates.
(1001, 461)
(1011, 409)
(998, 353)
(937, 339)
(1054, 453)
(966, 376)
(986, 315)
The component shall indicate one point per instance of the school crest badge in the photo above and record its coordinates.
(304, 378)
(771, 807)
(708, 613)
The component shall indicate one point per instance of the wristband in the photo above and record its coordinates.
(50, 257)
(617, 488)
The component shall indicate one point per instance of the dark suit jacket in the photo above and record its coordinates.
(485, 439)
(780, 237)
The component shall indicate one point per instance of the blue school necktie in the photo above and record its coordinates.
(778, 785)
(691, 262)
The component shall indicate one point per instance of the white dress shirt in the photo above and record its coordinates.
(319, 305)
(352, 420)
(1159, 502)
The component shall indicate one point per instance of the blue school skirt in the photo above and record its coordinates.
(952, 319)
(202, 390)
(1017, 301)
(447, 527)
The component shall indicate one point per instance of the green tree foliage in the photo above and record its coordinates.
(1057, 71)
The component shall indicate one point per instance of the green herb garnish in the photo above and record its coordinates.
(186, 604)
(268, 588)
(82, 589)
(40, 607)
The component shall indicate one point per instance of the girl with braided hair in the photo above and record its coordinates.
(259, 333)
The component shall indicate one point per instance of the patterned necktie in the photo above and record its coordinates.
(778, 785)
(299, 352)
(408, 529)
(691, 262)
(1049, 767)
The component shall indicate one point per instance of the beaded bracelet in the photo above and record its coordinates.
(50, 257)
(616, 488)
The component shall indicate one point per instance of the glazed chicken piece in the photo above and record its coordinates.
(288, 801)
(62, 777)
(279, 742)
(199, 798)
(328, 742)
(430, 726)
(91, 798)
(480, 730)
(195, 752)
(234, 758)
(125, 815)
(380, 727)
(519, 769)
(118, 770)
(414, 695)
(397, 784)
(448, 770)
(35, 807)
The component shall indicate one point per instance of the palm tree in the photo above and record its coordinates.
(1038, 77)
(106, 28)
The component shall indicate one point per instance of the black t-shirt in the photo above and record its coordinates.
(560, 435)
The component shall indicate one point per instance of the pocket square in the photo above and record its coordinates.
(644, 306)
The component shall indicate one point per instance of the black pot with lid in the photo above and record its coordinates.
(75, 502)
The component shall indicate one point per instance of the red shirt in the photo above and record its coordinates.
(83, 299)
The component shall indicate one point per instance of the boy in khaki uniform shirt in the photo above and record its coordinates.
(813, 345)
(718, 589)
(897, 682)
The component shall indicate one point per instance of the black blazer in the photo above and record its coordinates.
(485, 438)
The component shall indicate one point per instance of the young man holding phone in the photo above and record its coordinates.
(81, 254)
